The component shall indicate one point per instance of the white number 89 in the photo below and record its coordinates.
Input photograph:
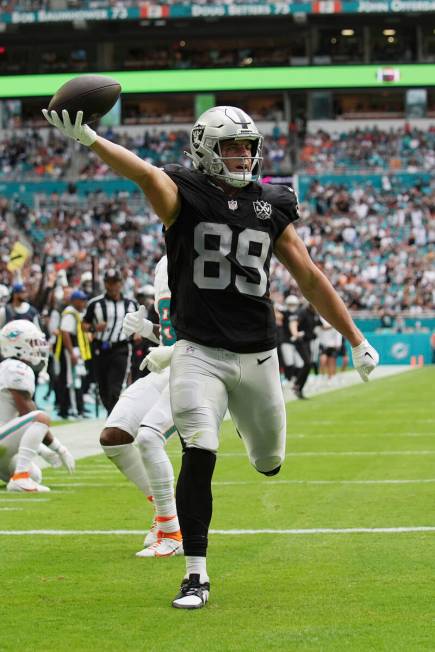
(218, 255)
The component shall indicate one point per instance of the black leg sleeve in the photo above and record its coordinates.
(194, 499)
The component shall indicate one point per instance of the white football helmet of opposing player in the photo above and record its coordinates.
(22, 340)
(219, 124)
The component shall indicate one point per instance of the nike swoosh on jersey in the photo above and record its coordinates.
(263, 360)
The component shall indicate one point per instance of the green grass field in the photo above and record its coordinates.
(362, 457)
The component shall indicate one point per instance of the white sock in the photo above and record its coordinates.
(29, 444)
(161, 478)
(198, 566)
(128, 460)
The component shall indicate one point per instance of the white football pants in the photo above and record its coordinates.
(146, 397)
(205, 382)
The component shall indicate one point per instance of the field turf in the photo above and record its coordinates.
(358, 459)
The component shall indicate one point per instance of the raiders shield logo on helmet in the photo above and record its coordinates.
(263, 209)
(197, 134)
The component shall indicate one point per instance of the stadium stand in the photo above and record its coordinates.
(30, 155)
(372, 149)
(366, 187)
(374, 243)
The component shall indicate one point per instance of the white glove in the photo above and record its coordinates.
(82, 133)
(49, 456)
(136, 323)
(157, 359)
(67, 459)
(64, 454)
(365, 358)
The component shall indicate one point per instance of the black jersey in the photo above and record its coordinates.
(219, 251)
(308, 319)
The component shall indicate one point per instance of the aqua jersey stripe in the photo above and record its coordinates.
(167, 332)
(16, 427)
(169, 432)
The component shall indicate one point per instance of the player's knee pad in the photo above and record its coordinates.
(268, 465)
(115, 437)
(148, 439)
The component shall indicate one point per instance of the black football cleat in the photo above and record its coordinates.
(193, 594)
(298, 392)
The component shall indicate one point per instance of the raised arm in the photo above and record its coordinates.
(314, 285)
(316, 288)
(160, 190)
(158, 187)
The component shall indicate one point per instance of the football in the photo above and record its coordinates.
(93, 94)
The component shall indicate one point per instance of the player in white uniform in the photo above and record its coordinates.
(143, 415)
(330, 343)
(24, 430)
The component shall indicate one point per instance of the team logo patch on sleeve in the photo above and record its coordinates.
(263, 209)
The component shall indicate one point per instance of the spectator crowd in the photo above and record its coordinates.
(37, 154)
(376, 244)
(373, 149)
(30, 155)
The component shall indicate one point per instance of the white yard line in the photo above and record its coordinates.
(11, 509)
(85, 472)
(326, 435)
(324, 482)
(56, 492)
(339, 453)
(30, 500)
(327, 530)
(322, 453)
(307, 531)
(345, 453)
(268, 483)
(119, 485)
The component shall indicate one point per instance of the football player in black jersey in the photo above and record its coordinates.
(222, 226)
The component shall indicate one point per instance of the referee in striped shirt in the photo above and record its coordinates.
(111, 350)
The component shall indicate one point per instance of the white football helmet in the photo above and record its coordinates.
(210, 130)
(292, 301)
(22, 340)
(146, 290)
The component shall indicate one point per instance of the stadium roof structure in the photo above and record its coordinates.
(216, 10)
(235, 79)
